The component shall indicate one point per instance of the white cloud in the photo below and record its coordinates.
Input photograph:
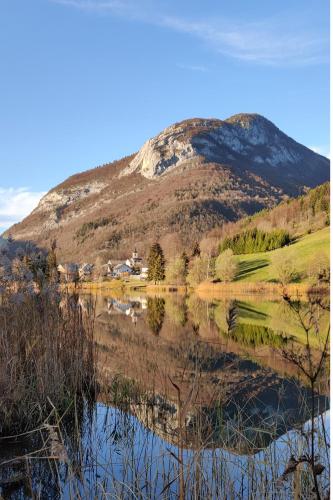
(321, 150)
(278, 41)
(15, 204)
(268, 42)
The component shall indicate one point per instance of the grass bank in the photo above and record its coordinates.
(257, 267)
(115, 284)
(166, 289)
(206, 290)
(126, 285)
(209, 290)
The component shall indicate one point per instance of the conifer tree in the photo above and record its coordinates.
(196, 250)
(156, 264)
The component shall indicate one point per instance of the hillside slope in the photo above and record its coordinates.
(192, 177)
(257, 267)
(298, 216)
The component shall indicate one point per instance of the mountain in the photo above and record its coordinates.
(193, 176)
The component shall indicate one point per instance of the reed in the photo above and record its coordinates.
(294, 290)
(46, 356)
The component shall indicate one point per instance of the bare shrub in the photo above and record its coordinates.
(209, 246)
(176, 271)
(200, 270)
(226, 266)
(100, 270)
(284, 267)
(319, 268)
(313, 364)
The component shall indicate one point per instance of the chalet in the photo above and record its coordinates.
(122, 270)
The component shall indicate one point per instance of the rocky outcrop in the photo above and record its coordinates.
(246, 138)
(56, 201)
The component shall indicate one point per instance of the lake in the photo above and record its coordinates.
(196, 399)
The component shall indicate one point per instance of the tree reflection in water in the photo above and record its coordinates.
(194, 401)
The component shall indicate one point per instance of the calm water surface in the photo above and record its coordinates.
(197, 401)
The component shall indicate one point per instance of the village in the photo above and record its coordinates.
(133, 267)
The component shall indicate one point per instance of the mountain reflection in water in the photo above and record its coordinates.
(194, 380)
(187, 407)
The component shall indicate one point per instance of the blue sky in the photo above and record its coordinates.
(84, 82)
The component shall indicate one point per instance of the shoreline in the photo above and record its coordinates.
(205, 289)
(259, 289)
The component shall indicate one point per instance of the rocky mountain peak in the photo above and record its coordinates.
(242, 136)
(192, 177)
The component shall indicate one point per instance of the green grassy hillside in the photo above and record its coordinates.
(257, 267)
(274, 315)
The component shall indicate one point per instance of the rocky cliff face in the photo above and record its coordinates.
(251, 140)
(193, 176)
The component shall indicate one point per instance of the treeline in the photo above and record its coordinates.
(256, 240)
(192, 268)
(318, 200)
(298, 216)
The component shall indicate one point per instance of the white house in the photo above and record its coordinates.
(135, 260)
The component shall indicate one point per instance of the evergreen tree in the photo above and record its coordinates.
(156, 264)
(256, 240)
(196, 250)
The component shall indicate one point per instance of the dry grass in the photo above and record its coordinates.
(166, 289)
(46, 356)
(238, 289)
